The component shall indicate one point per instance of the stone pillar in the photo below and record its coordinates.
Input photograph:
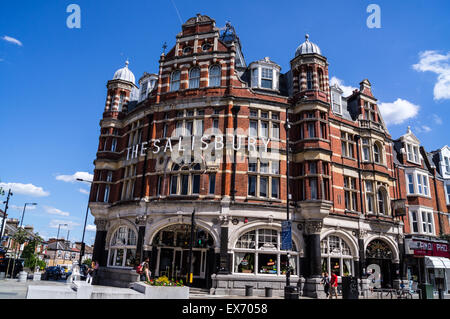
(139, 245)
(362, 254)
(224, 261)
(313, 287)
(100, 254)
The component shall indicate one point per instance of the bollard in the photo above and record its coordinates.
(269, 291)
(248, 290)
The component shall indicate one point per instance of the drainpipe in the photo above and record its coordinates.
(362, 259)
(235, 110)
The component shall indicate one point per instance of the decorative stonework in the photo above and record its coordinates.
(361, 233)
(314, 227)
(101, 224)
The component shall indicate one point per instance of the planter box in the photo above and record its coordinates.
(161, 292)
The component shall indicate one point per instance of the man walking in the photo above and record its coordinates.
(334, 285)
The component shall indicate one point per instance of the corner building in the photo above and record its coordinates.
(344, 203)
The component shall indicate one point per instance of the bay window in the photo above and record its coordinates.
(258, 252)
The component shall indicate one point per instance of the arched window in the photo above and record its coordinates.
(214, 75)
(336, 256)
(258, 252)
(194, 78)
(321, 80)
(175, 80)
(378, 249)
(185, 180)
(377, 153)
(309, 79)
(122, 248)
(383, 201)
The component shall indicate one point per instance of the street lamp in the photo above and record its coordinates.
(85, 221)
(287, 126)
(56, 246)
(23, 213)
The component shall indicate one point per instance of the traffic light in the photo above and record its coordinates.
(82, 249)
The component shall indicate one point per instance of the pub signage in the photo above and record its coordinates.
(428, 248)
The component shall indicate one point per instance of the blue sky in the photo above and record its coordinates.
(52, 78)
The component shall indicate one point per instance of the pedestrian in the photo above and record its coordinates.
(334, 285)
(144, 270)
(326, 283)
(95, 272)
(90, 272)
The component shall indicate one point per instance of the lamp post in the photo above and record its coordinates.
(287, 126)
(56, 246)
(23, 213)
(85, 221)
(4, 214)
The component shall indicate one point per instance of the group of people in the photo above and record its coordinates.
(330, 284)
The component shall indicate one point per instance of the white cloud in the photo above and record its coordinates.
(398, 112)
(12, 40)
(73, 178)
(54, 223)
(55, 211)
(29, 207)
(437, 120)
(84, 191)
(348, 90)
(432, 61)
(91, 228)
(422, 129)
(25, 189)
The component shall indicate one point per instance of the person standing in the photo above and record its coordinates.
(334, 285)
(326, 283)
(95, 271)
(145, 273)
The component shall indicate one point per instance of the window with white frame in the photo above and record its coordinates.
(347, 145)
(129, 181)
(258, 252)
(370, 197)
(121, 100)
(122, 249)
(421, 221)
(264, 179)
(336, 102)
(412, 153)
(194, 78)
(336, 256)
(447, 191)
(261, 121)
(266, 78)
(382, 198)
(214, 75)
(185, 179)
(366, 149)
(192, 125)
(175, 80)
(418, 183)
(447, 164)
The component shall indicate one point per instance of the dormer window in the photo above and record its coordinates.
(143, 90)
(337, 102)
(266, 78)
(412, 153)
(264, 75)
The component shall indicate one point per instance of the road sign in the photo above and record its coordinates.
(286, 235)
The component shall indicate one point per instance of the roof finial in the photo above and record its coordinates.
(409, 129)
(307, 37)
(126, 63)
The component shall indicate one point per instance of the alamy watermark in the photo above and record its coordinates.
(374, 19)
(73, 21)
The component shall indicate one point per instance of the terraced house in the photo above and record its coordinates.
(208, 133)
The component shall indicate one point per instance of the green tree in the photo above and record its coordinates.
(28, 253)
(20, 237)
(88, 262)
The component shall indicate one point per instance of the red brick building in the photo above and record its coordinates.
(208, 133)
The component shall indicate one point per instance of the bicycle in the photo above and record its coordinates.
(404, 294)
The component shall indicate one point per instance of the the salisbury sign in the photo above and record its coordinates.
(211, 146)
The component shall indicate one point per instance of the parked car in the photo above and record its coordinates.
(52, 273)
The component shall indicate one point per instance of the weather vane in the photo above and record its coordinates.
(164, 47)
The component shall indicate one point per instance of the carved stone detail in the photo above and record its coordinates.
(101, 224)
(314, 227)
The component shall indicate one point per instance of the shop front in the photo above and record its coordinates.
(428, 263)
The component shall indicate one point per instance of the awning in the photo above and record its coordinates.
(437, 262)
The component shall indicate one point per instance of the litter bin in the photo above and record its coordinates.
(427, 291)
(350, 288)
(269, 291)
(248, 290)
(291, 292)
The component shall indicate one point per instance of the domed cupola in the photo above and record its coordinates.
(124, 74)
(307, 47)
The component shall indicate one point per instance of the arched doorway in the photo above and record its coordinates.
(379, 253)
(171, 245)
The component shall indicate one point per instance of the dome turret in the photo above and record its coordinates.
(124, 74)
(307, 47)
